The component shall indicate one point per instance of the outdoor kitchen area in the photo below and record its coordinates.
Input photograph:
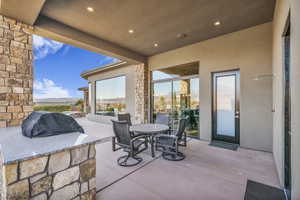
(61, 166)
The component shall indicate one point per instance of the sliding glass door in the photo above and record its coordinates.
(178, 97)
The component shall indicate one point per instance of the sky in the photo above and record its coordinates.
(57, 68)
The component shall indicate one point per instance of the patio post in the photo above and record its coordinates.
(16, 73)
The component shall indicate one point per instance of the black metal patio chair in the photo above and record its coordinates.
(168, 143)
(125, 141)
(125, 117)
(163, 118)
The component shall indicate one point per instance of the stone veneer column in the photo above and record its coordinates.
(141, 92)
(65, 175)
(15, 71)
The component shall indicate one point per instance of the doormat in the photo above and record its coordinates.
(224, 145)
(259, 191)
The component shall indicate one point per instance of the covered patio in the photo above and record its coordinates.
(230, 67)
(208, 172)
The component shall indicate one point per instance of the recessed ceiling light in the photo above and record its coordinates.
(217, 23)
(130, 31)
(90, 9)
(156, 45)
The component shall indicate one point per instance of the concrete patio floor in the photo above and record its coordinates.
(208, 172)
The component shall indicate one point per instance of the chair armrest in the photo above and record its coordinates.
(139, 137)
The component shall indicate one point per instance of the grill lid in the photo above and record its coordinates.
(43, 124)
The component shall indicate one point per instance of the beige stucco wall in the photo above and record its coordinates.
(280, 17)
(249, 50)
(295, 96)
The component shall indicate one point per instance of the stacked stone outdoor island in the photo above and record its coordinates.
(63, 175)
(57, 167)
(68, 174)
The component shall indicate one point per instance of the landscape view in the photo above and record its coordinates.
(57, 68)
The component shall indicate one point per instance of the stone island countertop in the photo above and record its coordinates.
(15, 147)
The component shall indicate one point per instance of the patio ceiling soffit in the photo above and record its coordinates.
(29, 12)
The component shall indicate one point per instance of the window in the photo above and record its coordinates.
(110, 96)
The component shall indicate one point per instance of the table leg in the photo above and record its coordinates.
(152, 146)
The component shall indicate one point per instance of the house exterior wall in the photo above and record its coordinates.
(15, 71)
(249, 50)
(136, 91)
(295, 97)
(280, 17)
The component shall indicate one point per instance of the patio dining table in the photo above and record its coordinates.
(150, 130)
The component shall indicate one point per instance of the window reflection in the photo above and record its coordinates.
(226, 105)
(159, 75)
(110, 96)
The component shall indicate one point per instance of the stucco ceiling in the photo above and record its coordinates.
(183, 70)
(164, 22)
(158, 21)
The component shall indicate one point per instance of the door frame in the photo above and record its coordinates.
(287, 108)
(214, 75)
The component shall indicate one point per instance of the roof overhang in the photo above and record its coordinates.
(83, 89)
(25, 11)
(49, 28)
(156, 26)
(103, 68)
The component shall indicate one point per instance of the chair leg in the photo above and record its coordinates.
(152, 146)
(124, 160)
(173, 154)
(113, 143)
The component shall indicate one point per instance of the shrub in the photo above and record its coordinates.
(79, 102)
(56, 108)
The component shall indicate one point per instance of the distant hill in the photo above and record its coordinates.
(55, 101)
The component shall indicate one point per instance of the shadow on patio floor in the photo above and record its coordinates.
(208, 173)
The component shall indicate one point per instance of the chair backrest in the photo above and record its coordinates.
(162, 118)
(181, 127)
(125, 117)
(121, 131)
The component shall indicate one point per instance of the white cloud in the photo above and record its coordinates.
(43, 46)
(48, 89)
(66, 50)
(108, 60)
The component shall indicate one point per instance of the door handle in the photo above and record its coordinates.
(237, 114)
